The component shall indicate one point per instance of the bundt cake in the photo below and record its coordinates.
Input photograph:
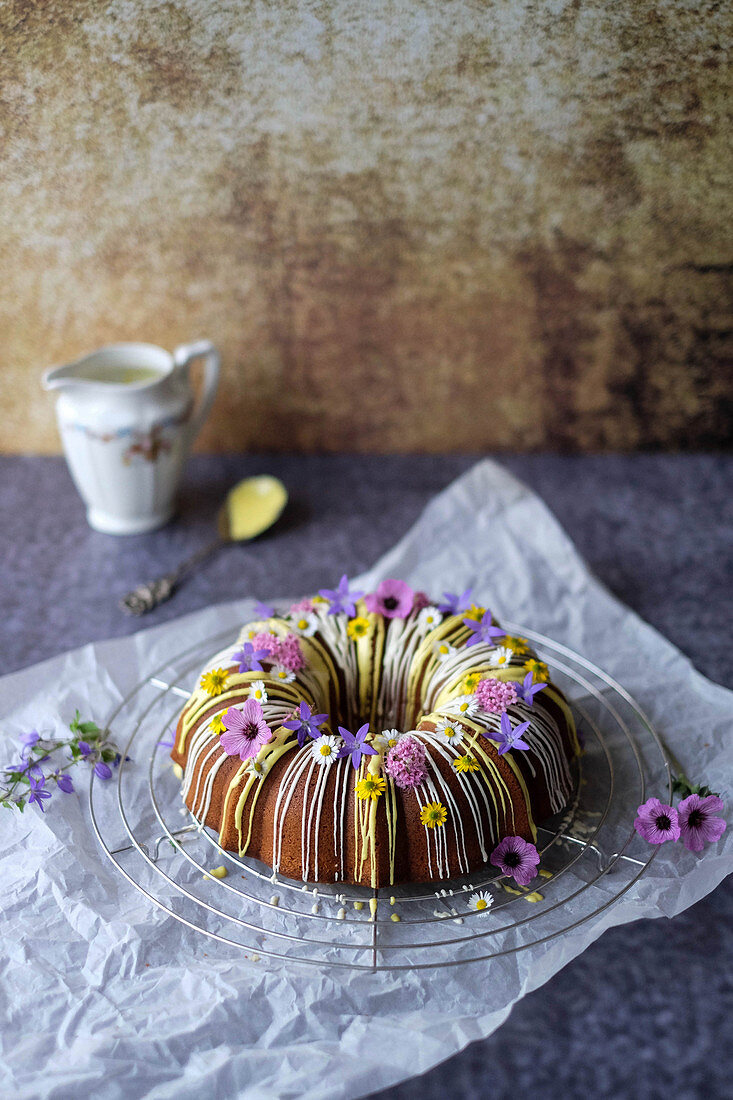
(375, 738)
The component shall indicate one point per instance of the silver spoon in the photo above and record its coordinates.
(250, 508)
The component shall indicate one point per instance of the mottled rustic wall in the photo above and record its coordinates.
(416, 224)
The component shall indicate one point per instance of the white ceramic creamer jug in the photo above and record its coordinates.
(127, 415)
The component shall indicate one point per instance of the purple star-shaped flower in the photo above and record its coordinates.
(452, 602)
(483, 630)
(37, 791)
(249, 658)
(65, 784)
(354, 745)
(263, 610)
(85, 748)
(29, 740)
(341, 599)
(527, 690)
(507, 737)
(306, 725)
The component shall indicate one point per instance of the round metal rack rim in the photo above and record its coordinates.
(169, 680)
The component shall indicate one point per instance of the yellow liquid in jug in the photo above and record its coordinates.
(119, 375)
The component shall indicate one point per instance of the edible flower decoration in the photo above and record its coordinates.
(450, 729)
(214, 681)
(217, 725)
(694, 821)
(371, 786)
(387, 739)
(393, 599)
(263, 610)
(507, 737)
(471, 682)
(341, 599)
(516, 858)
(500, 656)
(306, 724)
(483, 630)
(494, 696)
(257, 691)
(246, 730)
(520, 646)
(466, 763)
(528, 689)
(443, 650)
(452, 602)
(357, 627)
(249, 657)
(428, 619)
(35, 778)
(433, 815)
(305, 623)
(325, 749)
(539, 669)
(406, 763)
(355, 744)
(480, 901)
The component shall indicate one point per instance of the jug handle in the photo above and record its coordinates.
(183, 356)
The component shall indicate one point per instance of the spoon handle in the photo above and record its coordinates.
(147, 596)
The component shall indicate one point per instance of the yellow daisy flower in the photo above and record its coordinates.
(371, 786)
(358, 627)
(471, 682)
(433, 814)
(217, 724)
(466, 763)
(474, 612)
(213, 681)
(318, 599)
(517, 645)
(539, 670)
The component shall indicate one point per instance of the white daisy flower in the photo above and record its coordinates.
(442, 650)
(450, 730)
(482, 899)
(305, 623)
(387, 740)
(428, 618)
(500, 656)
(259, 767)
(324, 749)
(283, 674)
(464, 705)
(257, 691)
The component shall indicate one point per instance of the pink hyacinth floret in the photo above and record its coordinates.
(494, 696)
(288, 653)
(268, 642)
(306, 604)
(405, 763)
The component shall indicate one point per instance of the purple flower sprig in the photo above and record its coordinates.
(483, 630)
(342, 599)
(35, 777)
(694, 820)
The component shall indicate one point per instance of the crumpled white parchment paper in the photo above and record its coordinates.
(103, 995)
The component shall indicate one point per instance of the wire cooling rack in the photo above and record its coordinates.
(590, 854)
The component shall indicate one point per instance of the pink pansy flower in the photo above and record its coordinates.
(247, 731)
(394, 599)
(517, 858)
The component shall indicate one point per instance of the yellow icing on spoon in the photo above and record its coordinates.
(251, 507)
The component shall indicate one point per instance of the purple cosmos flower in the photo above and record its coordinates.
(64, 783)
(527, 690)
(263, 610)
(29, 740)
(507, 737)
(102, 770)
(247, 731)
(341, 599)
(393, 599)
(452, 602)
(249, 658)
(516, 858)
(306, 725)
(657, 822)
(37, 791)
(698, 825)
(483, 630)
(354, 745)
